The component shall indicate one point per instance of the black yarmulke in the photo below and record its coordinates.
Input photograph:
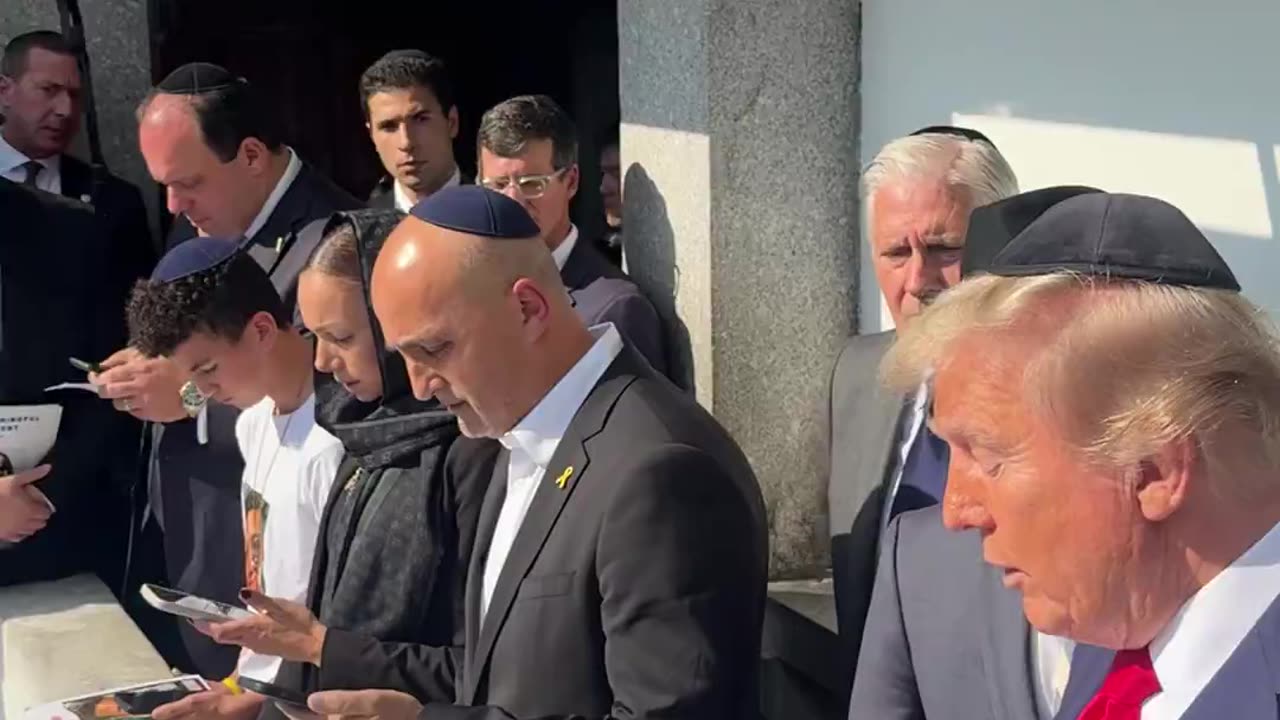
(195, 78)
(476, 210)
(1117, 236)
(992, 227)
(196, 255)
(955, 131)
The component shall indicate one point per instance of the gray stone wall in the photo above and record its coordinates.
(119, 54)
(740, 149)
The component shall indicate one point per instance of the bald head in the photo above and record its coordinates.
(484, 324)
(455, 261)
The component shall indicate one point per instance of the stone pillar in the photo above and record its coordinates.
(118, 41)
(740, 148)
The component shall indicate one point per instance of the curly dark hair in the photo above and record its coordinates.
(219, 301)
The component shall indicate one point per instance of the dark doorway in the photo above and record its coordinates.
(309, 56)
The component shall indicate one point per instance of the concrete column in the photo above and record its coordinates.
(740, 148)
(118, 41)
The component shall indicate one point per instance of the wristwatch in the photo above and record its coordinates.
(192, 399)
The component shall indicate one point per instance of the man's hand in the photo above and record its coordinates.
(282, 628)
(365, 704)
(216, 703)
(24, 510)
(146, 388)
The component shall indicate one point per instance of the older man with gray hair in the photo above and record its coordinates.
(917, 195)
(1114, 428)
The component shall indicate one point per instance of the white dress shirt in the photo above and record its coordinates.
(282, 186)
(533, 441)
(1050, 669)
(1191, 649)
(11, 162)
(565, 248)
(404, 204)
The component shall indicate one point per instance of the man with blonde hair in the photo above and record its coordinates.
(918, 193)
(1114, 428)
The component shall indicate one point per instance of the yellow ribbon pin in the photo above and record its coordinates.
(564, 477)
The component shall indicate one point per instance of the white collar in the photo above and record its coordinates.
(1190, 650)
(565, 248)
(539, 432)
(404, 204)
(11, 157)
(282, 186)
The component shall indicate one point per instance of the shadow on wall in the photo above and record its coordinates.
(651, 261)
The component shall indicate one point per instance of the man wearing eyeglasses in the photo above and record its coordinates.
(528, 151)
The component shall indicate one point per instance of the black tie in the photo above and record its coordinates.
(33, 169)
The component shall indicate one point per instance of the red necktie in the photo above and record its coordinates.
(1129, 683)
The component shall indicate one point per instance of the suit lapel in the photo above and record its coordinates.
(1248, 684)
(1006, 651)
(575, 273)
(569, 468)
(1243, 688)
(485, 528)
(883, 423)
(1089, 666)
(76, 179)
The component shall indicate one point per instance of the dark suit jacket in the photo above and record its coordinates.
(863, 421)
(637, 590)
(383, 196)
(603, 293)
(1246, 686)
(944, 638)
(194, 489)
(55, 302)
(120, 207)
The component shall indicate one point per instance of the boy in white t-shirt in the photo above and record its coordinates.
(212, 309)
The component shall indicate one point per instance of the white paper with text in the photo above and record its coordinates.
(27, 433)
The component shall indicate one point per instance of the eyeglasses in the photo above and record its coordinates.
(529, 187)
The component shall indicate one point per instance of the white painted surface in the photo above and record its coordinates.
(67, 638)
(1179, 99)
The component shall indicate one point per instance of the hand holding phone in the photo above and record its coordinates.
(85, 366)
(144, 702)
(290, 702)
(176, 602)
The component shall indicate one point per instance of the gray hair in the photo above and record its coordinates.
(955, 161)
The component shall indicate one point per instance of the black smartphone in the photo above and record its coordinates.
(83, 366)
(275, 692)
(144, 702)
